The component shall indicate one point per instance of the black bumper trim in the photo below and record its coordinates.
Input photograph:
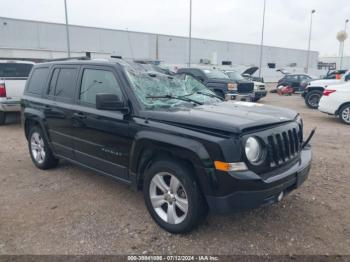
(241, 200)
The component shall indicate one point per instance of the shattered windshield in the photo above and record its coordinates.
(158, 91)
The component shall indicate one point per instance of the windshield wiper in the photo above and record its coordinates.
(186, 99)
(210, 95)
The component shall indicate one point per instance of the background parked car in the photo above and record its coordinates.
(259, 87)
(218, 81)
(294, 81)
(332, 74)
(13, 76)
(313, 92)
(249, 74)
(336, 101)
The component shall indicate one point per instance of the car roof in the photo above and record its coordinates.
(81, 62)
(16, 62)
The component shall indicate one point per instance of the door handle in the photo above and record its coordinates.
(79, 115)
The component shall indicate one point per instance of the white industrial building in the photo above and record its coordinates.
(335, 60)
(42, 40)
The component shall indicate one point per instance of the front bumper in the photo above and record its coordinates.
(260, 93)
(10, 105)
(268, 189)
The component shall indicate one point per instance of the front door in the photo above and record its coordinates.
(101, 137)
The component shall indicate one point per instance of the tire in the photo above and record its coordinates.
(160, 196)
(2, 118)
(39, 150)
(344, 114)
(312, 99)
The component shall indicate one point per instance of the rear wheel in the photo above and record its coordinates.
(39, 149)
(2, 118)
(344, 114)
(312, 98)
(172, 197)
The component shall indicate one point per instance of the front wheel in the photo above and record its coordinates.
(312, 99)
(344, 114)
(172, 196)
(2, 118)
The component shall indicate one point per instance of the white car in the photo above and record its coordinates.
(313, 91)
(13, 77)
(336, 101)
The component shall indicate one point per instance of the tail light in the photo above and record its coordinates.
(2, 90)
(327, 92)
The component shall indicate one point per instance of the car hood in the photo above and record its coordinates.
(251, 70)
(231, 117)
(219, 80)
(324, 82)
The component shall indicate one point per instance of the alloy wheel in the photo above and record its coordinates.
(37, 146)
(168, 197)
(346, 115)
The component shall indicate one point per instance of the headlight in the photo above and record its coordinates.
(231, 86)
(253, 150)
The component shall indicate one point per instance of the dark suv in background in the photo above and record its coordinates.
(218, 81)
(294, 81)
(169, 136)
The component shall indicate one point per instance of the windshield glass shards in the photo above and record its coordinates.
(156, 91)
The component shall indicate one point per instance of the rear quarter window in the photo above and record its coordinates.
(38, 80)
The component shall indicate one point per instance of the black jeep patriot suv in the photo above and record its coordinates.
(169, 136)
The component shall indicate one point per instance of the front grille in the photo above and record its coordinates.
(284, 146)
(245, 87)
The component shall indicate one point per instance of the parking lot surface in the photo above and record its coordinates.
(70, 210)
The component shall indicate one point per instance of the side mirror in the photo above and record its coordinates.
(109, 102)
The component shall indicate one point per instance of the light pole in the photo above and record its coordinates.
(190, 37)
(67, 28)
(262, 39)
(309, 45)
(342, 45)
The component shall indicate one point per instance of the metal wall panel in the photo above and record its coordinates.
(40, 36)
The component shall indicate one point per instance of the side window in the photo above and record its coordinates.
(98, 82)
(53, 82)
(66, 83)
(38, 80)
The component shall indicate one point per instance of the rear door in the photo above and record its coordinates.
(58, 111)
(101, 137)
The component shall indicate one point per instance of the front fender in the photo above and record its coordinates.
(181, 147)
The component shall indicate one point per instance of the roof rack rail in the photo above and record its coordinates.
(86, 57)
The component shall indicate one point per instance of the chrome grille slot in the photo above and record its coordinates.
(283, 146)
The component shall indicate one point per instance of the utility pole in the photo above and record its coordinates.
(67, 28)
(309, 44)
(262, 39)
(190, 37)
(342, 45)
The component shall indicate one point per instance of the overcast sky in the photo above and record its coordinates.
(287, 21)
